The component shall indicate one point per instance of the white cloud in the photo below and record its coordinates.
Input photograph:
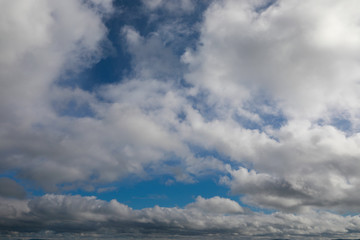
(288, 50)
(216, 205)
(137, 128)
(282, 63)
(42, 40)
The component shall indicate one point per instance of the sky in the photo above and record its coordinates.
(188, 119)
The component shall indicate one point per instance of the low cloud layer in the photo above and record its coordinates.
(88, 215)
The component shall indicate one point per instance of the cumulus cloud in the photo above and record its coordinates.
(42, 40)
(46, 137)
(281, 87)
(271, 88)
(216, 205)
(287, 49)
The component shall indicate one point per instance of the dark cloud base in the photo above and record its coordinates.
(76, 217)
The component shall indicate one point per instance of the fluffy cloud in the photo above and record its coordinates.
(300, 55)
(54, 134)
(216, 205)
(282, 88)
(42, 40)
(271, 88)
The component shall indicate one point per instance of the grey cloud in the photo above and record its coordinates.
(55, 37)
(250, 182)
(10, 188)
(306, 72)
(135, 127)
(71, 214)
(115, 138)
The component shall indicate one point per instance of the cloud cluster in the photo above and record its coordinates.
(74, 214)
(281, 80)
(42, 42)
(271, 88)
(54, 134)
(300, 55)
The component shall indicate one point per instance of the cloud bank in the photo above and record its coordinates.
(76, 214)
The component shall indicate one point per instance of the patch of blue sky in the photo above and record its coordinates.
(275, 121)
(255, 208)
(74, 109)
(200, 102)
(246, 122)
(181, 116)
(116, 63)
(340, 122)
(266, 109)
(138, 194)
(202, 152)
(143, 194)
(234, 163)
(186, 34)
(265, 5)
(163, 191)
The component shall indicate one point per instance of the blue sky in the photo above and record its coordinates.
(157, 119)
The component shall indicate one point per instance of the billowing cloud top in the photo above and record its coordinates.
(261, 97)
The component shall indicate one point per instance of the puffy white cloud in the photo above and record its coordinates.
(281, 67)
(291, 51)
(48, 145)
(42, 40)
(216, 205)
